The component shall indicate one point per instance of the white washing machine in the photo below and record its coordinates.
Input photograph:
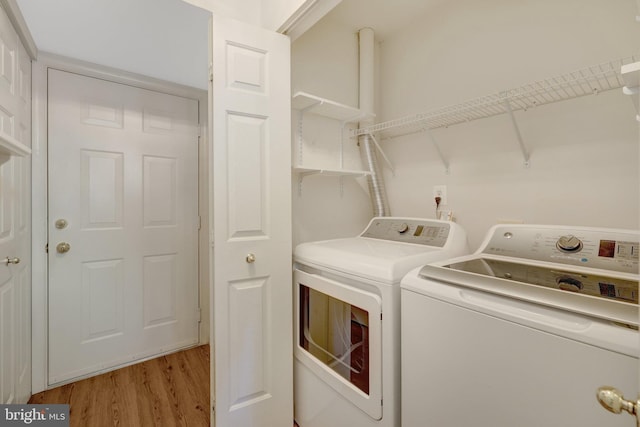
(524, 331)
(347, 300)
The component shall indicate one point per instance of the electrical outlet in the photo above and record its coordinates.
(440, 191)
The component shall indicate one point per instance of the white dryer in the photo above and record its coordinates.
(347, 319)
(524, 331)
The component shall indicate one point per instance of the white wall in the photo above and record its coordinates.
(584, 152)
(165, 39)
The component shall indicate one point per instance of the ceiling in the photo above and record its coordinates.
(384, 16)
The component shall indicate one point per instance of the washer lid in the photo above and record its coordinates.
(375, 259)
(555, 276)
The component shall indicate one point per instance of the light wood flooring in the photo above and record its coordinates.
(171, 390)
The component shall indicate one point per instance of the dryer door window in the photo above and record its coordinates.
(337, 334)
(339, 338)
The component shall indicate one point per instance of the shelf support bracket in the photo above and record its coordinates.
(443, 159)
(384, 156)
(516, 129)
(300, 124)
(634, 93)
(300, 178)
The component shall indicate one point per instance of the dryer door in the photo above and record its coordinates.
(338, 330)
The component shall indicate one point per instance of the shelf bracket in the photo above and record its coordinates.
(300, 124)
(312, 106)
(443, 159)
(384, 156)
(301, 177)
(516, 129)
(634, 92)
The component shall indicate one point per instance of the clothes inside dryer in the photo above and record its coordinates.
(337, 334)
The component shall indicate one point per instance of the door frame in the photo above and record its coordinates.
(39, 178)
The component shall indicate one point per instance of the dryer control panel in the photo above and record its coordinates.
(409, 230)
(607, 249)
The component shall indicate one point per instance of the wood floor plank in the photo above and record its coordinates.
(172, 390)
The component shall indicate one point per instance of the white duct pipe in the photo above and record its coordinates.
(377, 189)
(367, 67)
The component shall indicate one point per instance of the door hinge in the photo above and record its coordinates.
(46, 248)
(199, 315)
(199, 222)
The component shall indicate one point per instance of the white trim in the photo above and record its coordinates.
(39, 191)
(119, 76)
(15, 16)
(306, 16)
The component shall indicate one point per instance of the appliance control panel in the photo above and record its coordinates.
(409, 230)
(614, 250)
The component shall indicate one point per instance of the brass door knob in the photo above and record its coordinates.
(612, 400)
(251, 258)
(15, 260)
(63, 247)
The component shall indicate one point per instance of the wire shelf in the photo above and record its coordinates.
(587, 81)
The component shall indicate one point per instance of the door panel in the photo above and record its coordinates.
(15, 224)
(251, 226)
(123, 174)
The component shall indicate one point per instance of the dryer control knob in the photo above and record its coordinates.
(569, 243)
(404, 227)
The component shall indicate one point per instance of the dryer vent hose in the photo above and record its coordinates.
(377, 189)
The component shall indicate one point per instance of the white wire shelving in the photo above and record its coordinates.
(587, 81)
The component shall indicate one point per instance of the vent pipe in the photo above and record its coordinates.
(377, 189)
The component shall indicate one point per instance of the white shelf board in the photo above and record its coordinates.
(631, 74)
(11, 146)
(587, 81)
(330, 172)
(327, 108)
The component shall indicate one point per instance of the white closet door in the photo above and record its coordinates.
(15, 223)
(252, 315)
(123, 182)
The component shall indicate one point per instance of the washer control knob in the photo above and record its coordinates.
(569, 243)
(404, 227)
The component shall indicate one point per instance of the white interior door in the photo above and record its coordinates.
(123, 183)
(15, 224)
(252, 288)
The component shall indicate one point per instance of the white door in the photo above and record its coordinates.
(123, 183)
(15, 223)
(252, 288)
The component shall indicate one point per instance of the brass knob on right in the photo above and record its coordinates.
(251, 258)
(613, 401)
(63, 247)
